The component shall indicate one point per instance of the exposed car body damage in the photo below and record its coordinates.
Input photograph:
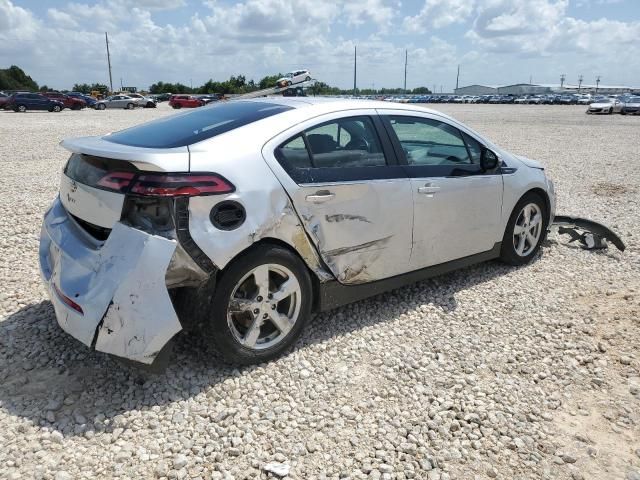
(590, 234)
(119, 286)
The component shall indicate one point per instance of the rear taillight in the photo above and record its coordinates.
(67, 301)
(166, 185)
(117, 181)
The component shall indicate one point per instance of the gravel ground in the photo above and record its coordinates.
(490, 372)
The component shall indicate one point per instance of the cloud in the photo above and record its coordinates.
(439, 14)
(374, 11)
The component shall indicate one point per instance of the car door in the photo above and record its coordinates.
(457, 206)
(353, 200)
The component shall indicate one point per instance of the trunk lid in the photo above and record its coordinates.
(93, 207)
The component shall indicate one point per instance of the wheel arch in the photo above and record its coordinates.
(545, 196)
(265, 242)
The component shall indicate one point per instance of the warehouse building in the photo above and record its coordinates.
(523, 89)
(476, 90)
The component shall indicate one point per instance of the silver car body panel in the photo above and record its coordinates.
(364, 234)
(96, 206)
(119, 284)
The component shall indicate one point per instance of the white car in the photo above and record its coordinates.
(605, 105)
(146, 102)
(291, 78)
(119, 101)
(241, 218)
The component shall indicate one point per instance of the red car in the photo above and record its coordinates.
(4, 98)
(185, 101)
(71, 103)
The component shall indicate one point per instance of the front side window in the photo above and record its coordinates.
(430, 142)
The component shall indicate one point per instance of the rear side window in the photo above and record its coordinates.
(200, 124)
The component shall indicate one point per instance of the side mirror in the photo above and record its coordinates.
(488, 160)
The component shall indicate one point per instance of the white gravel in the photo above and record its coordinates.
(490, 372)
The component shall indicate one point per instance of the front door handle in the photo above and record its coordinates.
(320, 196)
(428, 189)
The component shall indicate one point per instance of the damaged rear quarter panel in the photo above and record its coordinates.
(269, 212)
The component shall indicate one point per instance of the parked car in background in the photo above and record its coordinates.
(585, 99)
(631, 106)
(606, 105)
(72, 103)
(118, 101)
(162, 97)
(251, 203)
(185, 101)
(144, 101)
(89, 100)
(21, 102)
(568, 100)
(291, 78)
(4, 98)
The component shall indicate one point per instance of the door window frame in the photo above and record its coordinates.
(419, 171)
(314, 175)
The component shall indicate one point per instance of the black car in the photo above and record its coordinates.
(21, 102)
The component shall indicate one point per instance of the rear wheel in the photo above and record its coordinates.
(308, 78)
(56, 108)
(130, 106)
(21, 108)
(261, 305)
(101, 106)
(526, 230)
(177, 105)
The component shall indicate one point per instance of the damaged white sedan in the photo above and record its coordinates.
(242, 218)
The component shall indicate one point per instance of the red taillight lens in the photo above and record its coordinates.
(118, 181)
(172, 185)
(67, 301)
(184, 185)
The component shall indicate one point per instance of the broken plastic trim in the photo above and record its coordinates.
(591, 235)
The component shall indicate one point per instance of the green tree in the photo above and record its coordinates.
(421, 90)
(81, 87)
(14, 78)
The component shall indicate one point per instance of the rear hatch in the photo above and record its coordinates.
(99, 173)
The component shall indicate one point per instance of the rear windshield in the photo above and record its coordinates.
(196, 125)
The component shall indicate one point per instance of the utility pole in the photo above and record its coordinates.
(121, 86)
(597, 83)
(579, 83)
(458, 77)
(106, 38)
(562, 77)
(530, 79)
(355, 67)
(406, 57)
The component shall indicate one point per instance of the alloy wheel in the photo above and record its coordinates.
(264, 306)
(527, 229)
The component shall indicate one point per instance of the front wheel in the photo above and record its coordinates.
(101, 106)
(56, 108)
(177, 105)
(610, 111)
(21, 108)
(261, 305)
(526, 230)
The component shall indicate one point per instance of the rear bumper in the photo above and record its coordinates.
(119, 285)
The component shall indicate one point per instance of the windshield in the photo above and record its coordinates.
(192, 127)
(634, 100)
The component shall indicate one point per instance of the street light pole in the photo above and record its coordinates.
(579, 83)
(597, 83)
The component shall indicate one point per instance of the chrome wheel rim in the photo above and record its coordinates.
(264, 306)
(527, 229)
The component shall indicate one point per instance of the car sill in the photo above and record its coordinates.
(333, 294)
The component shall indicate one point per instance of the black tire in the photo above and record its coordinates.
(307, 79)
(21, 108)
(101, 106)
(508, 252)
(177, 105)
(56, 108)
(216, 326)
(622, 112)
(610, 111)
(130, 106)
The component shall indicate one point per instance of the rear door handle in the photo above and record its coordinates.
(320, 196)
(429, 188)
